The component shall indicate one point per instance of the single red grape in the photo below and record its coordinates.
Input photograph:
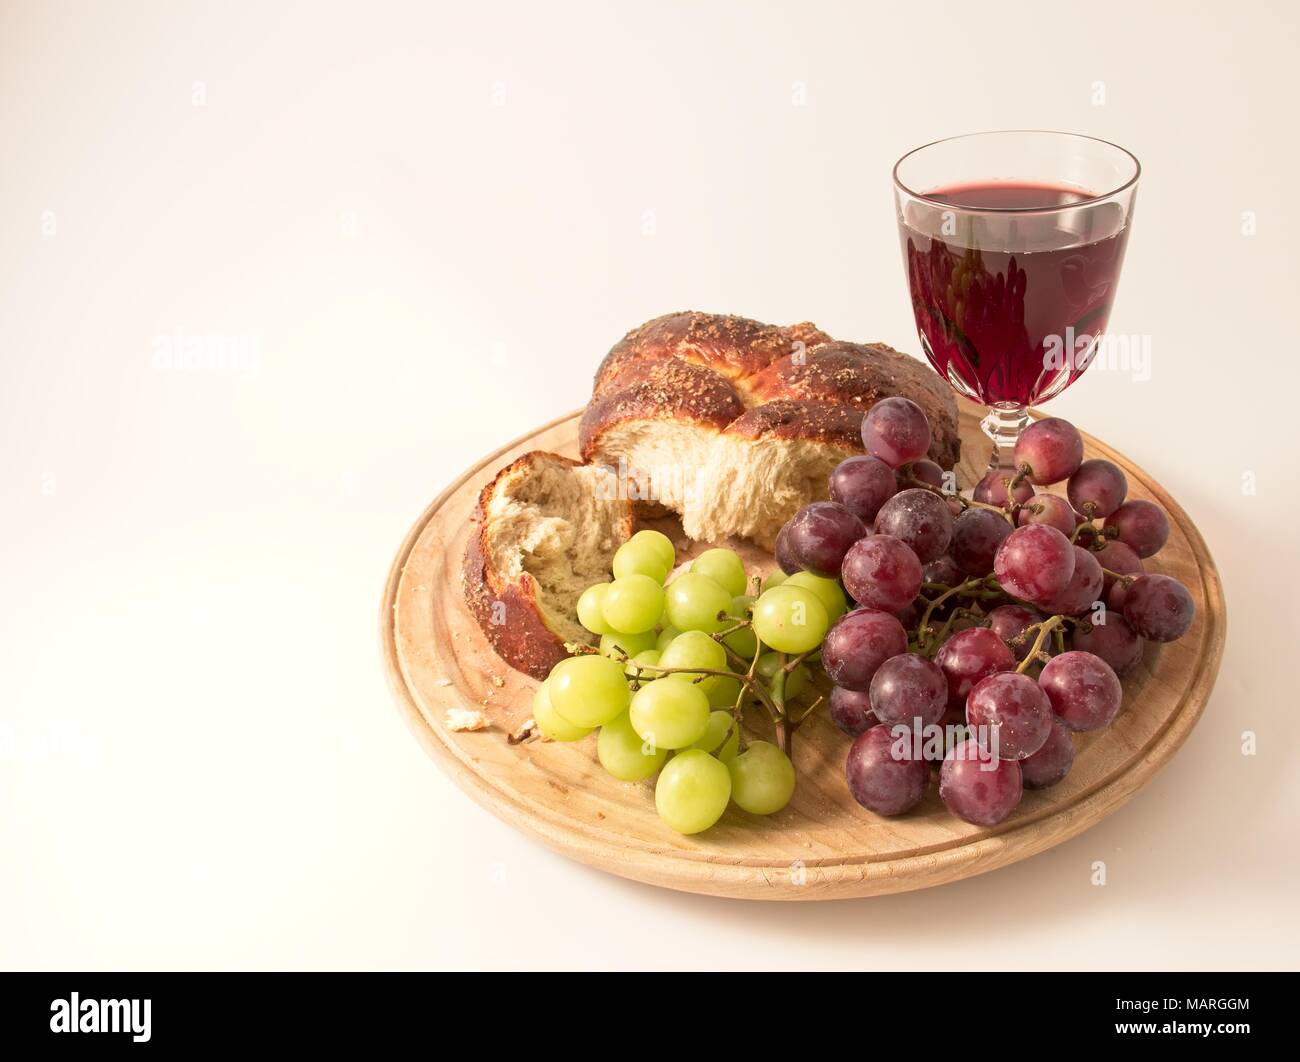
(1097, 488)
(851, 711)
(1141, 525)
(992, 489)
(1114, 641)
(1052, 448)
(969, 656)
(1052, 762)
(1008, 622)
(1050, 509)
(921, 519)
(926, 471)
(1035, 562)
(1011, 715)
(785, 559)
(882, 775)
(976, 536)
(858, 644)
(1158, 607)
(909, 687)
(881, 572)
(1084, 690)
(820, 535)
(977, 787)
(1083, 589)
(944, 571)
(862, 485)
(896, 431)
(1117, 557)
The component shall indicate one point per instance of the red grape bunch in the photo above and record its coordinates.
(987, 630)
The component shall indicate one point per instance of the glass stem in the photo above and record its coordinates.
(1003, 425)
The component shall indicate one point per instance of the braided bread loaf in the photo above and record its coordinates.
(735, 425)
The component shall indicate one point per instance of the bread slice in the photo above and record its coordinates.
(547, 528)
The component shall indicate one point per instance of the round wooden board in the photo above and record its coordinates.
(823, 845)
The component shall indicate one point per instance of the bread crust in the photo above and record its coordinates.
(823, 422)
(523, 640)
(732, 347)
(659, 390)
(718, 371)
(859, 375)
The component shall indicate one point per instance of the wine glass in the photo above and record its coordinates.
(1013, 243)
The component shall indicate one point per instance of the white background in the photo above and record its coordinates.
(424, 224)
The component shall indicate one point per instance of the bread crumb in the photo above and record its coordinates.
(497, 680)
(465, 719)
(527, 729)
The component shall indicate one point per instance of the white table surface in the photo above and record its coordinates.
(418, 228)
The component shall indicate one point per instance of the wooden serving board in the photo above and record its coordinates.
(823, 845)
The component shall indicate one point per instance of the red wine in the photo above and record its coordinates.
(1010, 302)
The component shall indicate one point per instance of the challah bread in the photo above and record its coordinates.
(735, 424)
(546, 529)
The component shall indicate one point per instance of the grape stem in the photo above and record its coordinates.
(809, 710)
(732, 655)
(1013, 506)
(1044, 630)
(1119, 577)
(910, 479)
(746, 681)
(970, 585)
(957, 613)
(794, 661)
(783, 726)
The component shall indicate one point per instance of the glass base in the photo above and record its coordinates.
(1003, 425)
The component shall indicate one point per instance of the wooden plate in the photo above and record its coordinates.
(823, 845)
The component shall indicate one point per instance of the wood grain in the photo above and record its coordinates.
(823, 845)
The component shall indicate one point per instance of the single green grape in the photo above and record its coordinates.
(694, 602)
(720, 727)
(625, 754)
(633, 604)
(672, 715)
(640, 558)
(773, 578)
(661, 542)
(695, 649)
(552, 723)
(743, 641)
(588, 690)
(724, 694)
(648, 661)
(762, 779)
(616, 646)
(724, 567)
(590, 613)
(790, 619)
(828, 592)
(692, 791)
(665, 636)
(796, 681)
